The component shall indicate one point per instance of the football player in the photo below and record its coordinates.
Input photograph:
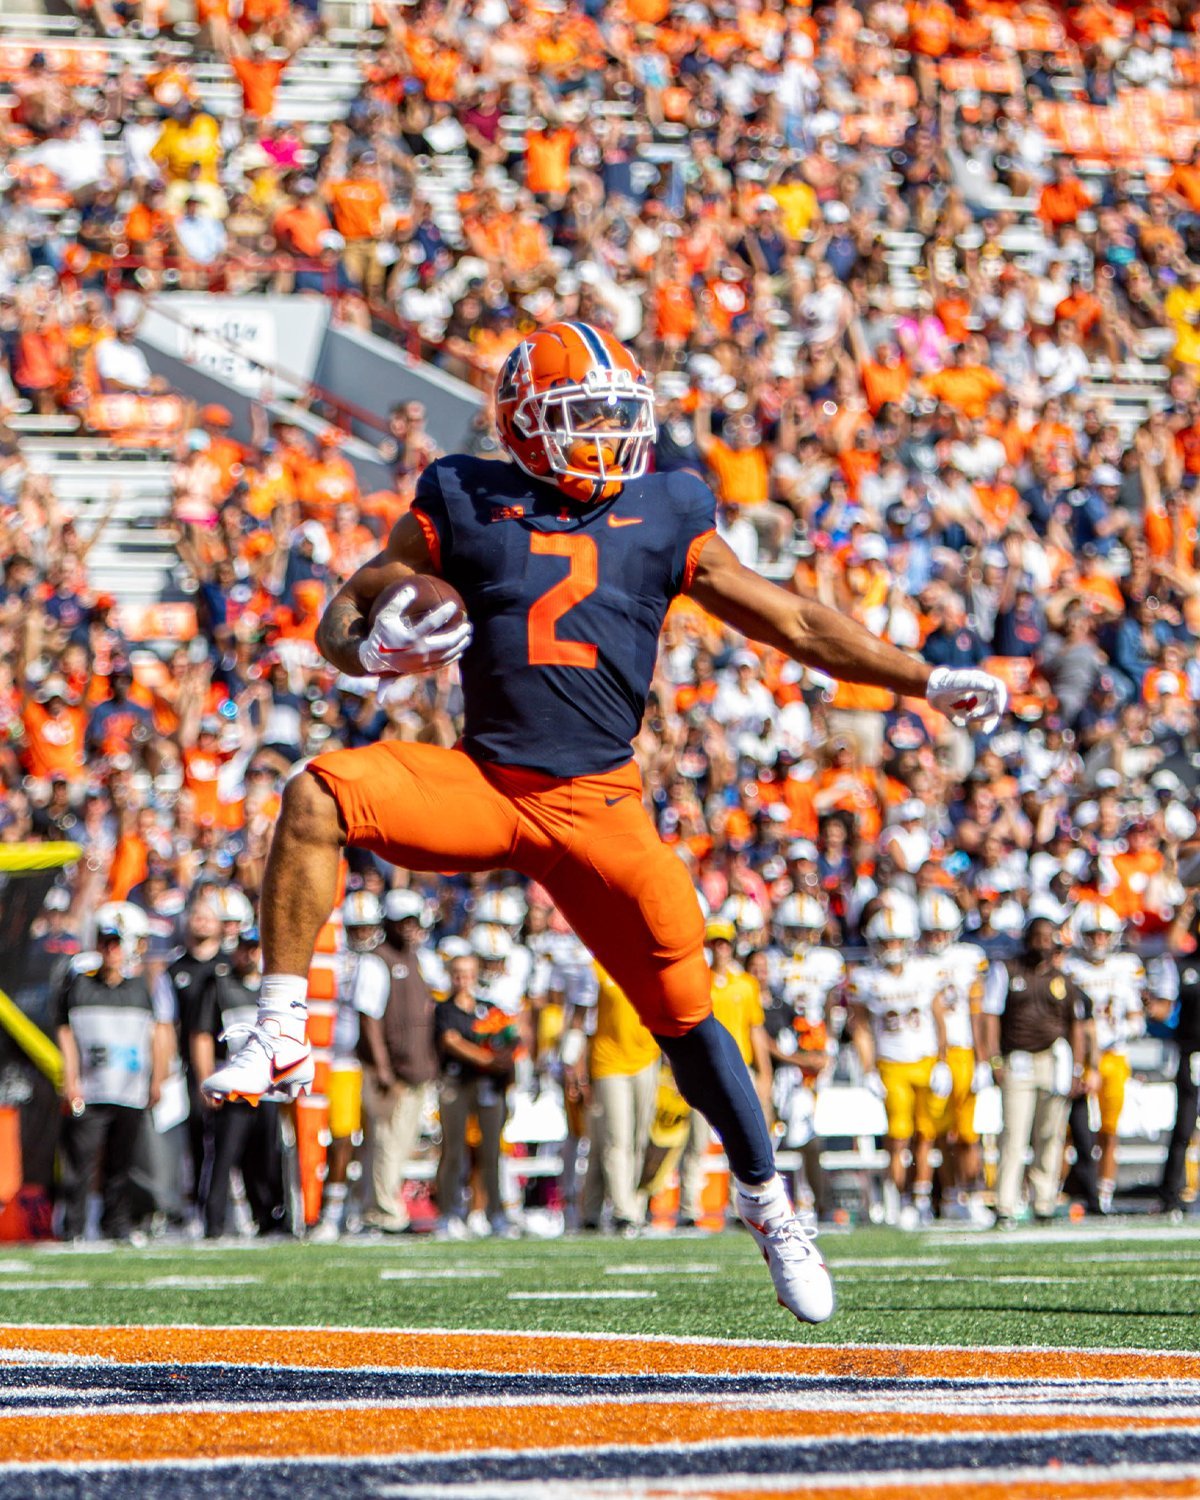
(803, 1026)
(963, 968)
(898, 1024)
(810, 979)
(1115, 983)
(567, 560)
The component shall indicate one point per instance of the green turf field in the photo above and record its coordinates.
(1125, 1286)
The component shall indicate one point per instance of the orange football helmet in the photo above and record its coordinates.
(574, 407)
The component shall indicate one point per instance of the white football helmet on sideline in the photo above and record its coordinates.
(400, 904)
(799, 920)
(745, 914)
(1096, 930)
(127, 919)
(891, 935)
(491, 944)
(232, 906)
(362, 917)
(500, 909)
(940, 918)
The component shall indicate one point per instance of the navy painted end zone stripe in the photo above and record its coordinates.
(64, 1386)
(369, 1479)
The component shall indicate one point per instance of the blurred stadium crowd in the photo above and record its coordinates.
(918, 287)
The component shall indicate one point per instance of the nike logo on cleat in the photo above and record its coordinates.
(612, 801)
(625, 520)
(279, 1074)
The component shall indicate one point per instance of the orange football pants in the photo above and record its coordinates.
(587, 839)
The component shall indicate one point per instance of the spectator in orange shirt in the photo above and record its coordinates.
(225, 455)
(1063, 198)
(299, 623)
(257, 71)
(359, 202)
(964, 386)
(741, 471)
(1080, 307)
(1184, 182)
(147, 224)
(328, 482)
(54, 733)
(201, 767)
(674, 305)
(301, 227)
(548, 158)
(885, 378)
(351, 543)
(41, 360)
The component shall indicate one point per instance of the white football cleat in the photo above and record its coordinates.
(268, 1066)
(802, 1281)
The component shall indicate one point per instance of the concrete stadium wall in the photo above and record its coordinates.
(224, 337)
(375, 375)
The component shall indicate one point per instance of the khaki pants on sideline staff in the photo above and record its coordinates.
(1033, 1114)
(620, 1116)
(396, 1126)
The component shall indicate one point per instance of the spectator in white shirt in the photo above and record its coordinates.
(120, 364)
(744, 707)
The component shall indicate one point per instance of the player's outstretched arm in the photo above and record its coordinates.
(820, 637)
(343, 626)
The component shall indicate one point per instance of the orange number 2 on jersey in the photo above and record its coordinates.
(545, 648)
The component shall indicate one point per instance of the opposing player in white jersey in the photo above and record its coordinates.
(802, 1026)
(505, 910)
(1115, 983)
(963, 969)
(898, 1024)
(810, 977)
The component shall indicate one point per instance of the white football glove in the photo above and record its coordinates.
(875, 1085)
(398, 647)
(941, 1081)
(983, 1078)
(967, 696)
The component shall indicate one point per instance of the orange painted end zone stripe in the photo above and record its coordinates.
(562, 1354)
(257, 1432)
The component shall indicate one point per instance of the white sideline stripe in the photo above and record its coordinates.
(1076, 1234)
(44, 1286)
(581, 1296)
(197, 1283)
(435, 1275)
(45, 1357)
(689, 1268)
(716, 1484)
(57, 1393)
(1174, 1418)
(7, 1267)
(1075, 1279)
(583, 1335)
(1133, 1258)
(899, 1262)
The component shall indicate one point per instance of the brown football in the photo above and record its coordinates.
(430, 593)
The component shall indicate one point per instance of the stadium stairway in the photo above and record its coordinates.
(123, 494)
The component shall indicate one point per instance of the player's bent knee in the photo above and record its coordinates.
(675, 998)
(310, 812)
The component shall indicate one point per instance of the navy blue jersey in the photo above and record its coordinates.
(567, 602)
